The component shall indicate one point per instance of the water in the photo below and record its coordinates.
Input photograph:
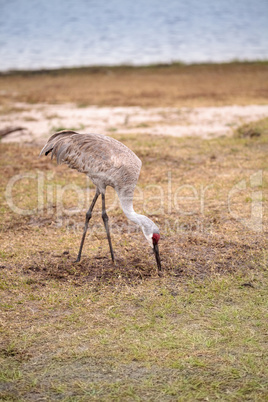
(38, 34)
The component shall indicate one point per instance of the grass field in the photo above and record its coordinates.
(172, 85)
(98, 331)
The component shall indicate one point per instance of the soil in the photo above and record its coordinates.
(39, 121)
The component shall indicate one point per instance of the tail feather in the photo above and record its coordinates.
(52, 141)
(60, 151)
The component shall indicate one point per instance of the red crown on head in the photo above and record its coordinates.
(156, 237)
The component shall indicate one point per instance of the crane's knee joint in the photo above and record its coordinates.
(88, 215)
(105, 217)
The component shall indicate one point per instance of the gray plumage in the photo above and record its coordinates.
(107, 162)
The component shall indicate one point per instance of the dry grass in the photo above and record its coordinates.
(175, 85)
(94, 331)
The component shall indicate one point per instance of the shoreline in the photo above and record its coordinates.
(153, 66)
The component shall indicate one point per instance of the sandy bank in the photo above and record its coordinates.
(39, 121)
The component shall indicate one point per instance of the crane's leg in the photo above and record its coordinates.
(105, 221)
(88, 216)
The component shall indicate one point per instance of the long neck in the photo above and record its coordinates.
(127, 206)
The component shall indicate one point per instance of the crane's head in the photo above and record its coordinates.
(153, 239)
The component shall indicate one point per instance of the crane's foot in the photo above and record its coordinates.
(78, 259)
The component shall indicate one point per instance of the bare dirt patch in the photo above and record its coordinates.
(188, 257)
(39, 121)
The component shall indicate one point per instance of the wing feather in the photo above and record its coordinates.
(102, 158)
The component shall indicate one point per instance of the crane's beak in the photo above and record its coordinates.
(157, 257)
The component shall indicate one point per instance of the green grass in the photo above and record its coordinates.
(187, 341)
(255, 129)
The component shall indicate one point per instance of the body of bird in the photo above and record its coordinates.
(107, 162)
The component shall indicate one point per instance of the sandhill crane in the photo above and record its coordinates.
(107, 162)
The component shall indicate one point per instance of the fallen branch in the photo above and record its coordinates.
(10, 130)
